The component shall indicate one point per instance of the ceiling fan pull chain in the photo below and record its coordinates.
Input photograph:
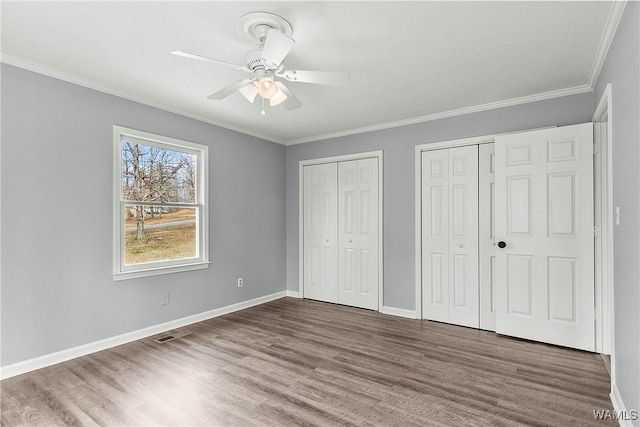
(263, 113)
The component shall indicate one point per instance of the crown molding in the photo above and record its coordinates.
(70, 78)
(613, 20)
(446, 114)
(611, 26)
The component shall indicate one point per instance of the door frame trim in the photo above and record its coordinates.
(334, 159)
(603, 178)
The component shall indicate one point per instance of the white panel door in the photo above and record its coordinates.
(435, 235)
(320, 218)
(544, 216)
(450, 235)
(463, 236)
(358, 233)
(487, 252)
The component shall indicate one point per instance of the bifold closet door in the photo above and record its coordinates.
(487, 250)
(320, 216)
(544, 229)
(450, 235)
(358, 233)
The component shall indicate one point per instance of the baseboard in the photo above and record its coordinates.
(606, 360)
(620, 409)
(400, 312)
(82, 350)
(293, 294)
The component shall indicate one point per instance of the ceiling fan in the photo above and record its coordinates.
(273, 33)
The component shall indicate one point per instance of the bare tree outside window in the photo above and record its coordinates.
(159, 176)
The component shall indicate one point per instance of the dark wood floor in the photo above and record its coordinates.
(301, 362)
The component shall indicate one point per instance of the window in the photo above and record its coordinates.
(160, 205)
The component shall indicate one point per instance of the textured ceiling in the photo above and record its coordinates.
(409, 61)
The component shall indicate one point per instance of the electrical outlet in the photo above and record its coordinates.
(165, 298)
(240, 282)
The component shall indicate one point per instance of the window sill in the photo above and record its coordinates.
(125, 275)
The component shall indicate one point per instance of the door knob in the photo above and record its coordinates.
(327, 240)
(460, 245)
(350, 241)
(502, 245)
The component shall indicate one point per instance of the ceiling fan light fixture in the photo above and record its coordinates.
(278, 98)
(249, 91)
(267, 87)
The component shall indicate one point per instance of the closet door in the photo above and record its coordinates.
(450, 235)
(487, 254)
(320, 232)
(463, 235)
(544, 217)
(435, 235)
(358, 233)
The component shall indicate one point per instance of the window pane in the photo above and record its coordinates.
(153, 174)
(157, 233)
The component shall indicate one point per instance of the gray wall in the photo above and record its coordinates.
(57, 289)
(622, 70)
(399, 151)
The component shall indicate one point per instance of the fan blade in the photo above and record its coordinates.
(206, 59)
(224, 92)
(291, 102)
(276, 46)
(331, 78)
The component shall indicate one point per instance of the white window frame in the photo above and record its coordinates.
(201, 260)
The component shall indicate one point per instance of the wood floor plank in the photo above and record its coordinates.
(302, 362)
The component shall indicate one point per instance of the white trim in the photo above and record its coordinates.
(135, 274)
(618, 405)
(399, 312)
(417, 206)
(611, 26)
(446, 114)
(82, 350)
(70, 78)
(300, 230)
(121, 271)
(474, 140)
(604, 107)
(604, 242)
(615, 14)
(60, 75)
(293, 294)
(343, 158)
(613, 20)
(464, 142)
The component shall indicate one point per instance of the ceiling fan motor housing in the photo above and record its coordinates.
(254, 61)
